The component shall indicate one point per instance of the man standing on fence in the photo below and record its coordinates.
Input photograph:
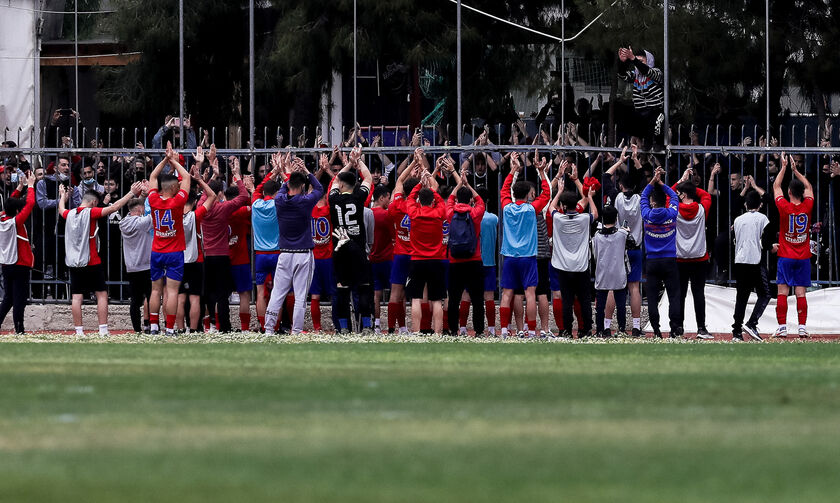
(648, 95)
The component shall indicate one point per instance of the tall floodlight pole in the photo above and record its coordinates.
(458, 69)
(355, 69)
(181, 71)
(251, 74)
(767, 67)
(562, 67)
(76, 66)
(666, 84)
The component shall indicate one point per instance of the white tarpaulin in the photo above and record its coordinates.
(823, 312)
(17, 68)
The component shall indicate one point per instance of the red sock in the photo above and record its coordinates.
(393, 314)
(261, 319)
(557, 307)
(781, 309)
(578, 313)
(206, 323)
(490, 312)
(425, 316)
(532, 325)
(504, 316)
(315, 309)
(245, 321)
(802, 310)
(170, 321)
(154, 318)
(463, 313)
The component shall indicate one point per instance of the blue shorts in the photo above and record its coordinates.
(519, 273)
(170, 264)
(489, 278)
(265, 265)
(381, 274)
(636, 266)
(241, 275)
(794, 272)
(553, 278)
(400, 269)
(322, 278)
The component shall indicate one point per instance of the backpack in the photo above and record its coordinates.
(462, 236)
(8, 242)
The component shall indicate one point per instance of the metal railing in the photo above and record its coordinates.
(696, 147)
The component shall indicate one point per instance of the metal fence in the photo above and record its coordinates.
(115, 153)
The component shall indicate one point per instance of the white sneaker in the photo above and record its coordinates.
(803, 334)
(780, 332)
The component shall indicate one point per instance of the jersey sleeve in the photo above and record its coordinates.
(96, 213)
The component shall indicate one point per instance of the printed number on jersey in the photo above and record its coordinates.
(797, 224)
(163, 220)
(346, 216)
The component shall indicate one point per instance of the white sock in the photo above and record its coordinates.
(170, 330)
(462, 330)
(103, 329)
(492, 330)
(637, 323)
(80, 330)
(532, 332)
(505, 330)
(154, 327)
(269, 331)
(403, 330)
(607, 323)
(781, 327)
(376, 323)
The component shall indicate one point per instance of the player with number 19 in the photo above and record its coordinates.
(794, 249)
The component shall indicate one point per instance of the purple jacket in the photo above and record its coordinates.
(294, 215)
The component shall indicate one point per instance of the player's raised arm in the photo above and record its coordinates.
(777, 183)
(809, 189)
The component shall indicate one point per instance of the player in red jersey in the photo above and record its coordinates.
(323, 282)
(427, 211)
(402, 242)
(240, 257)
(382, 252)
(192, 286)
(167, 206)
(794, 247)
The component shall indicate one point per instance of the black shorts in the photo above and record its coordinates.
(193, 283)
(426, 273)
(87, 279)
(543, 285)
(350, 266)
(140, 283)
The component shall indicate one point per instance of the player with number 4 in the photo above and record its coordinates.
(794, 247)
(167, 200)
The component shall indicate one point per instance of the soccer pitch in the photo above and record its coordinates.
(419, 422)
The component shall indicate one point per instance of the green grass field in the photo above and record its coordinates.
(419, 422)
